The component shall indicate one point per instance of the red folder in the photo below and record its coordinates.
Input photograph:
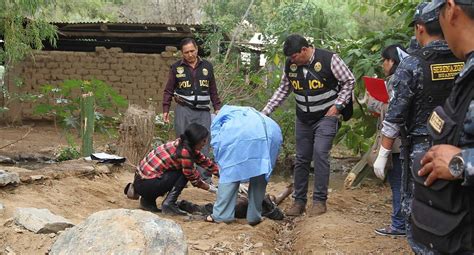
(376, 88)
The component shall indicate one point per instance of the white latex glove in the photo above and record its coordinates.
(381, 162)
(212, 189)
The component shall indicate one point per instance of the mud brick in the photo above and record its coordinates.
(171, 49)
(113, 78)
(166, 54)
(103, 66)
(108, 72)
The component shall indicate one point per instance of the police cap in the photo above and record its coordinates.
(418, 12)
(435, 5)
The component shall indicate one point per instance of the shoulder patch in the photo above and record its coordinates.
(318, 66)
(293, 67)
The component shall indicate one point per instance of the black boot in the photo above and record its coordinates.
(169, 205)
(148, 205)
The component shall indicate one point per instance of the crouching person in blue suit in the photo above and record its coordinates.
(246, 145)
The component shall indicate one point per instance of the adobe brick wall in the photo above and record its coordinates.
(137, 77)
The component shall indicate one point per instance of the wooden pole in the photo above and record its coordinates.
(358, 172)
(87, 124)
(284, 194)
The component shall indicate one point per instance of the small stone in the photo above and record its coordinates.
(37, 177)
(9, 251)
(6, 160)
(8, 178)
(202, 246)
(112, 201)
(8, 222)
(102, 169)
(258, 245)
(52, 235)
(18, 230)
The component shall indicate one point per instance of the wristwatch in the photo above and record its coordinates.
(339, 107)
(456, 166)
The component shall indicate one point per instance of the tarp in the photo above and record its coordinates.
(245, 143)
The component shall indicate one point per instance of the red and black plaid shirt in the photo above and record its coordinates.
(164, 158)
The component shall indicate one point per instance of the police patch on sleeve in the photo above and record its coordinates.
(445, 71)
(293, 67)
(180, 69)
(436, 122)
(204, 71)
(317, 66)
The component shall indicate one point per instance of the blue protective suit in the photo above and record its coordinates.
(245, 143)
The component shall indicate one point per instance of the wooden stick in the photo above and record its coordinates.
(280, 197)
(23, 137)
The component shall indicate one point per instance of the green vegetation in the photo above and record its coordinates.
(356, 30)
(69, 152)
(62, 102)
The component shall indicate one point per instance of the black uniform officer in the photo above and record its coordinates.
(421, 82)
(443, 205)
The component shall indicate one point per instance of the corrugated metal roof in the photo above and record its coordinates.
(169, 12)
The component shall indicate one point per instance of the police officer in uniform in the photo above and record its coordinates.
(323, 86)
(421, 82)
(192, 84)
(443, 205)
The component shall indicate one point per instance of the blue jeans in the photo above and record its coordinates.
(224, 207)
(395, 180)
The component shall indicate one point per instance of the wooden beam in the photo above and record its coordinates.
(125, 35)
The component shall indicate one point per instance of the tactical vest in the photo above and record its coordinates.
(193, 90)
(439, 70)
(443, 214)
(315, 92)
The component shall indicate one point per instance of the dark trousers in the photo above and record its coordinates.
(150, 189)
(313, 142)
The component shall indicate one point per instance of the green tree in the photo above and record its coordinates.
(23, 28)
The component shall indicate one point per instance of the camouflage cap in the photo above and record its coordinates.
(435, 5)
(430, 14)
(418, 12)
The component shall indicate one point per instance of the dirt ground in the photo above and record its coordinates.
(347, 227)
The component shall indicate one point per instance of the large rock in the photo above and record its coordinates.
(8, 178)
(122, 231)
(40, 221)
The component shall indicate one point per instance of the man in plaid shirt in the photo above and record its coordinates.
(323, 86)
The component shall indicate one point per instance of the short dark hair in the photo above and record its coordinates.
(187, 41)
(293, 44)
(433, 28)
(468, 10)
(391, 52)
